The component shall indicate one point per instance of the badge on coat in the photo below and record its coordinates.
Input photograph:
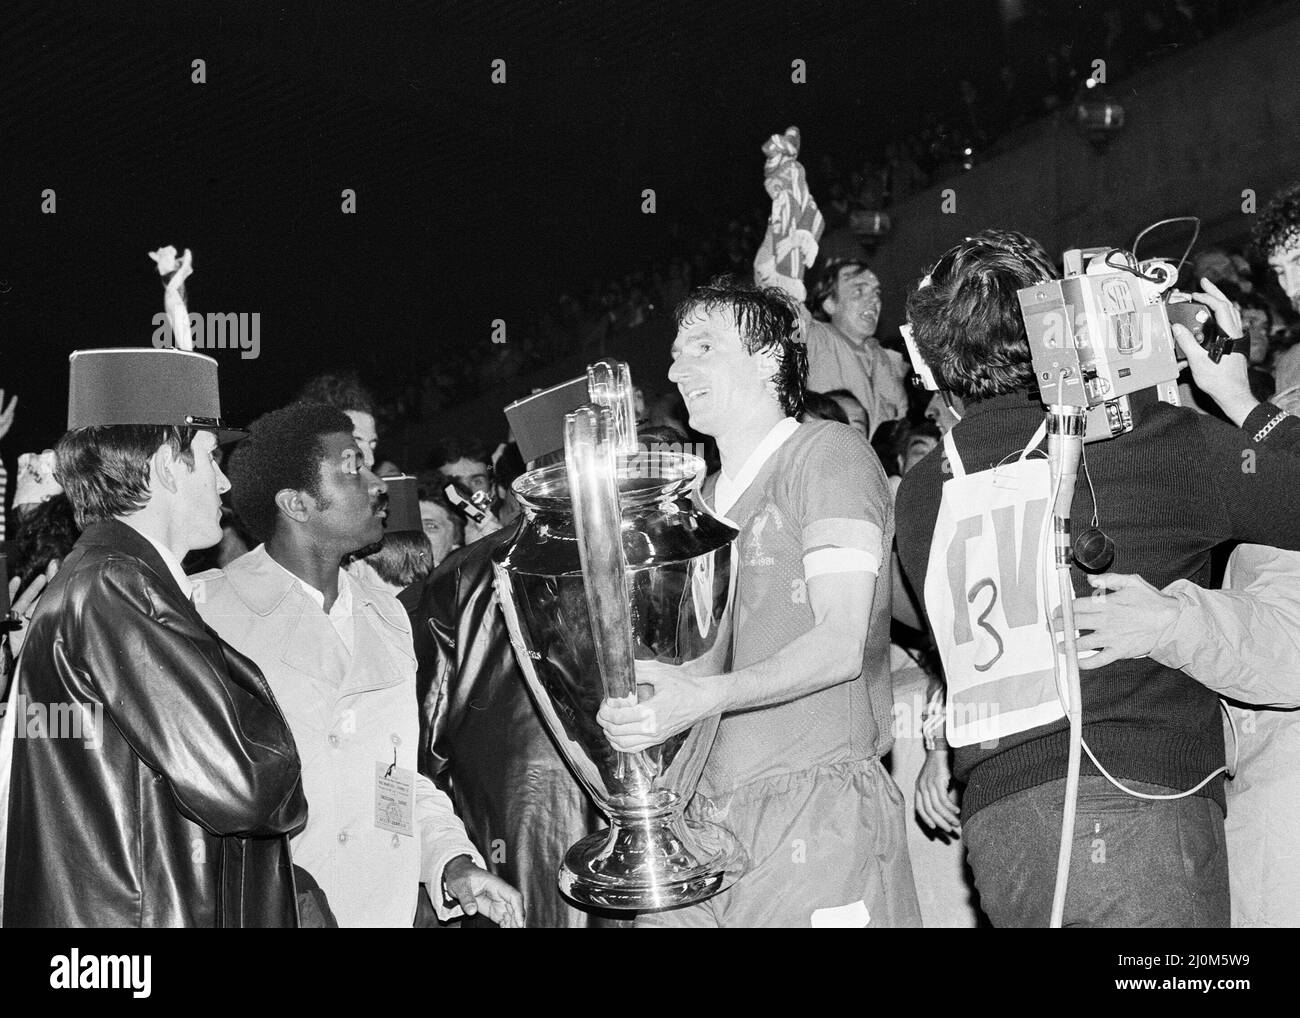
(395, 799)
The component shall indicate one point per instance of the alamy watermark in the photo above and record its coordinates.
(34, 720)
(77, 971)
(215, 331)
(909, 717)
(661, 459)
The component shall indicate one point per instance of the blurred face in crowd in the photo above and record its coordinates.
(722, 383)
(474, 474)
(854, 412)
(938, 412)
(917, 449)
(198, 491)
(507, 510)
(363, 430)
(1243, 272)
(1256, 323)
(1285, 263)
(855, 308)
(440, 528)
(350, 511)
(1216, 266)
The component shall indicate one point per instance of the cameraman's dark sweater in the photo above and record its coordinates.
(1168, 493)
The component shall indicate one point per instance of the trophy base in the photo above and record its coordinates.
(648, 867)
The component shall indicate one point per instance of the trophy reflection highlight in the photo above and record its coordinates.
(615, 562)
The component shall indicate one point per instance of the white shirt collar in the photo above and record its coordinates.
(342, 605)
(172, 562)
(728, 490)
(340, 613)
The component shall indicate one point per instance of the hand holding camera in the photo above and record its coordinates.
(1226, 314)
(1225, 381)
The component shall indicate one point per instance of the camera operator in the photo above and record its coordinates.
(1167, 493)
(1242, 642)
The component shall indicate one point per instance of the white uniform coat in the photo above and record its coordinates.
(348, 712)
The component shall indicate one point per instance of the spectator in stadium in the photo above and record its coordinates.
(840, 331)
(345, 392)
(820, 407)
(1277, 240)
(853, 410)
(442, 524)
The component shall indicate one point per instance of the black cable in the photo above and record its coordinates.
(1129, 268)
(1094, 550)
(1196, 232)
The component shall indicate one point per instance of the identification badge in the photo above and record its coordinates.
(395, 799)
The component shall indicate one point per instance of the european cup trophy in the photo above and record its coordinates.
(617, 562)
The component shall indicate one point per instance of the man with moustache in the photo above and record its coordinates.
(174, 809)
(795, 771)
(339, 656)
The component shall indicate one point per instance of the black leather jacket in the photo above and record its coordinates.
(180, 816)
(482, 741)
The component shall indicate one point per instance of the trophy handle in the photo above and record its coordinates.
(609, 384)
(591, 452)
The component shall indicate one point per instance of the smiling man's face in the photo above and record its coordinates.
(721, 382)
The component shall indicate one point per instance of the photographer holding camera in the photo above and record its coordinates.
(1167, 493)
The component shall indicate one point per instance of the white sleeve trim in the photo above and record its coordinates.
(826, 561)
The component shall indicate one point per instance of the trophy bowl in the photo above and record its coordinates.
(618, 561)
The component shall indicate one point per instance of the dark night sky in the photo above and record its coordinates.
(475, 201)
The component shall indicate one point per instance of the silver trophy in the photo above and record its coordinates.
(617, 561)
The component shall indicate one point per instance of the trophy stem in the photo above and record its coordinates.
(635, 775)
(651, 857)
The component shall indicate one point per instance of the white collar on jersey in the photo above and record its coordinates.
(728, 491)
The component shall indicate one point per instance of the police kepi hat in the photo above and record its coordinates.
(403, 505)
(144, 385)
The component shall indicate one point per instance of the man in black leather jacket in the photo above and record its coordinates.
(174, 806)
(482, 741)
